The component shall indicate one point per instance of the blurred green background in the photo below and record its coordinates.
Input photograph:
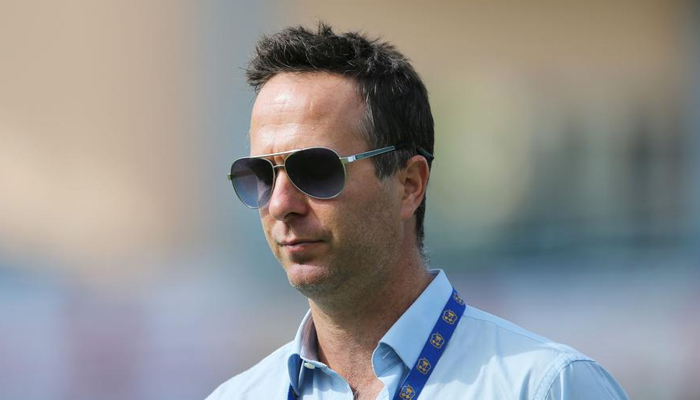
(564, 195)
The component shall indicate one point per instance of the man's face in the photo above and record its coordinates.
(325, 246)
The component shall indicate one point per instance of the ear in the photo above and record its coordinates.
(414, 180)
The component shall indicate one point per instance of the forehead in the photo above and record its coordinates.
(295, 110)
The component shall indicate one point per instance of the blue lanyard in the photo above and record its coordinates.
(432, 350)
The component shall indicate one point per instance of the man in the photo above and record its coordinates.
(341, 139)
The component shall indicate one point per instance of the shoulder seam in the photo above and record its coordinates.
(550, 376)
(534, 339)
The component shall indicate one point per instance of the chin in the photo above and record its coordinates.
(311, 280)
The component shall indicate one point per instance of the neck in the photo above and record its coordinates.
(348, 331)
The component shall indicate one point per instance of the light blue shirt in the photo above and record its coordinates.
(487, 358)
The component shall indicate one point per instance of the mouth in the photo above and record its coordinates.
(299, 245)
(298, 242)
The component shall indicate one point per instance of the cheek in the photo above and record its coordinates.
(336, 218)
(362, 220)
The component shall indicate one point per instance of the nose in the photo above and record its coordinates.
(286, 201)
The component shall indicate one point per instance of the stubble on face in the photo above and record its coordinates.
(359, 257)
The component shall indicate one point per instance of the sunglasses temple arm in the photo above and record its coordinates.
(367, 154)
(425, 153)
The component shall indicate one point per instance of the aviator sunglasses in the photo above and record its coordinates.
(318, 172)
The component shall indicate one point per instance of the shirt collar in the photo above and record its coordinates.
(406, 337)
(304, 348)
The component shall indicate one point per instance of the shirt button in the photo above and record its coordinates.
(309, 365)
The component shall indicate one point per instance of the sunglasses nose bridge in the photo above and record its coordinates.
(274, 169)
(285, 197)
(275, 172)
(276, 176)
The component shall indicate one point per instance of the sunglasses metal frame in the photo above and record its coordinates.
(343, 161)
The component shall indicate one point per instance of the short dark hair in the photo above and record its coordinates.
(396, 100)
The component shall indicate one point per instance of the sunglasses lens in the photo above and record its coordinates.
(252, 180)
(317, 172)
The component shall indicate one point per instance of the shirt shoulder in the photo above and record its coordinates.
(490, 357)
(269, 378)
(506, 338)
(583, 380)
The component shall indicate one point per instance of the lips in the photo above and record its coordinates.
(297, 242)
(300, 248)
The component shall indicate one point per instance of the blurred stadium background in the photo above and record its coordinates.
(565, 192)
